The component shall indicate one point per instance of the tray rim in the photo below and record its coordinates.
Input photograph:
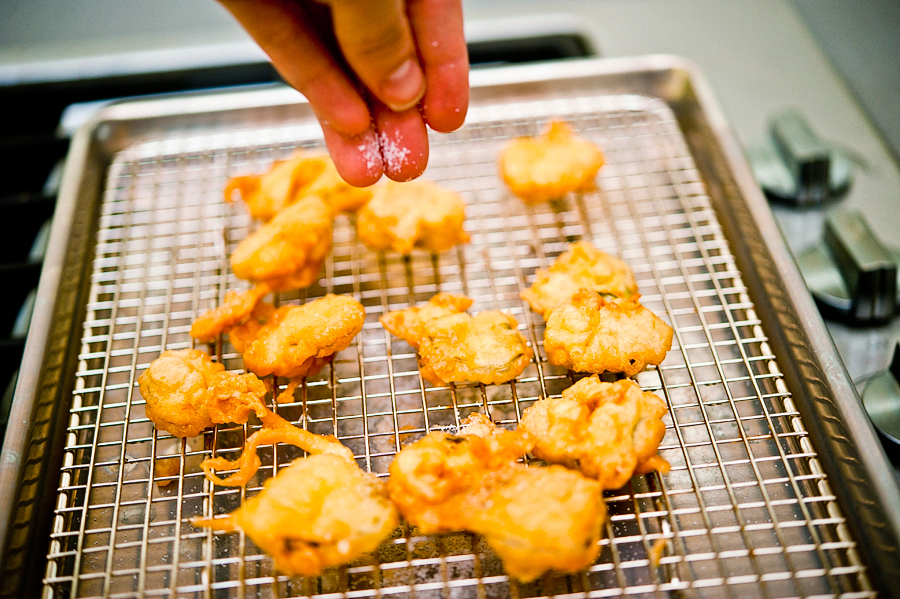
(846, 443)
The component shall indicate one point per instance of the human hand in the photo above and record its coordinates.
(375, 73)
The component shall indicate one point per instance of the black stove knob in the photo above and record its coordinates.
(851, 274)
(881, 399)
(798, 167)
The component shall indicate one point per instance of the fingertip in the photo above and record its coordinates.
(358, 158)
(403, 139)
(446, 99)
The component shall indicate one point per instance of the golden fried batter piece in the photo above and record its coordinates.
(244, 334)
(591, 334)
(417, 214)
(455, 347)
(297, 341)
(275, 429)
(408, 324)
(582, 266)
(320, 511)
(291, 179)
(288, 251)
(485, 348)
(538, 169)
(536, 519)
(236, 309)
(608, 431)
(338, 195)
(186, 392)
(430, 478)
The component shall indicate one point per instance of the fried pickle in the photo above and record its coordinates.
(456, 347)
(608, 431)
(581, 266)
(288, 251)
(297, 341)
(320, 511)
(417, 214)
(291, 179)
(236, 309)
(591, 334)
(186, 392)
(536, 519)
(538, 169)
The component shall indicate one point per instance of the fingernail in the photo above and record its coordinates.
(405, 87)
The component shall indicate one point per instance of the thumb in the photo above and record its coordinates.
(376, 39)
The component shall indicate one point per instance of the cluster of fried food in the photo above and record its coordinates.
(547, 167)
(323, 510)
(455, 347)
(536, 519)
(595, 321)
(298, 200)
(290, 341)
(595, 437)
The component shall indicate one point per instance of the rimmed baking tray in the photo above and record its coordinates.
(778, 486)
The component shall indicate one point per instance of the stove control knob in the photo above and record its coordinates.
(881, 399)
(797, 167)
(851, 274)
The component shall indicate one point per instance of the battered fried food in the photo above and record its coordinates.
(608, 431)
(456, 347)
(288, 251)
(538, 169)
(291, 179)
(536, 519)
(275, 429)
(268, 193)
(236, 309)
(485, 348)
(338, 195)
(297, 341)
(417, 214)
(582, 266)
(409, 324)
(431, 478)
(186, 392)
(591, 334)
(320, 511)
(244, 334)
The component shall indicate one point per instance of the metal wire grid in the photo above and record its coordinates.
(744, 512)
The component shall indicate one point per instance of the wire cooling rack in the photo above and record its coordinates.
(744, 512)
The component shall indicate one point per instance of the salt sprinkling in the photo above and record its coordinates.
(393, 151)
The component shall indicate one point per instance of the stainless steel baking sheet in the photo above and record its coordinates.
(746, 510)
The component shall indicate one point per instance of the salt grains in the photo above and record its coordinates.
(393, 151)
(370, 151)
